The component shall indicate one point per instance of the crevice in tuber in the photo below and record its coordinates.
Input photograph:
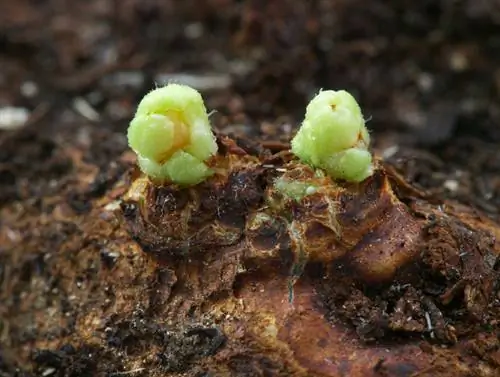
(324, 253)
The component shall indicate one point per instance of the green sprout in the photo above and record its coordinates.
(171, 135)
(294, 189)
(333, 137)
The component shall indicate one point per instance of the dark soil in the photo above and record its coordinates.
(73, 300)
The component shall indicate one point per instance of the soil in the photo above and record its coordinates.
(79, 297)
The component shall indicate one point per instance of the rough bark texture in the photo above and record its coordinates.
(231, 278)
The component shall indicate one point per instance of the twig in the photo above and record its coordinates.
(128, 372)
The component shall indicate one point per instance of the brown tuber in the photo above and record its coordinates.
(371, 263)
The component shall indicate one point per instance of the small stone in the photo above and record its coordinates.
(124, 79)
(458, 61)
(82, 107)
(12, 118)
(425, 82)
(48, 372)
(451, 185)
(29, 89)
(193, 30)
(202, 82)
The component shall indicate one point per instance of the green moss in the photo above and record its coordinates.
(294, 189)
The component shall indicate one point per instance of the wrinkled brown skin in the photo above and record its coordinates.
(97, 277)
(301, 288)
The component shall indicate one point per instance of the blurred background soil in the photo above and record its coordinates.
(426, 73)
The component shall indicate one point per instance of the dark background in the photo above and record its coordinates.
(426, 74)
